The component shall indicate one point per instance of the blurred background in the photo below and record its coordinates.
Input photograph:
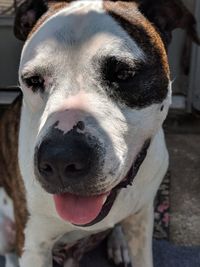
(182, 126)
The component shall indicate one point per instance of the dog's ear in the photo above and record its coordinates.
(27, 15)
(168, 15)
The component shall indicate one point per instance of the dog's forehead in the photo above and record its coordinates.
(115, 26)
(78, 21)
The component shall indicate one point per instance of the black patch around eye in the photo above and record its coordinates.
(36, 83)
(136, 87)
(151, 81)
(116, 72)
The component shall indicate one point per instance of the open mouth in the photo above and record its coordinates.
(87, 211)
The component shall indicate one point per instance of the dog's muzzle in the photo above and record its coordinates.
(68, 166)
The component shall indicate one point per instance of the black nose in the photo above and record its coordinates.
(65, 159)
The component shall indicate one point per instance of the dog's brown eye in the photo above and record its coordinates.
(117, 72)
(125, 74)
(36, 83)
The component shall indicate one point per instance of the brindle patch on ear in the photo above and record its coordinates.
(26, 16)
(30, 12)
(168, 15)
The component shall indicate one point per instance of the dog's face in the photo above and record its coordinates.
(96, 86)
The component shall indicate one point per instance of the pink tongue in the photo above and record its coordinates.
(79, 210)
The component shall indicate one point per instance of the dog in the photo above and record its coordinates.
(96, 90)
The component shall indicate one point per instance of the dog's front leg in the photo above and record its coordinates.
(40, 236)
(36, 258)
(138, 229)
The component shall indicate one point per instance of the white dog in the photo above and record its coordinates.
(92, 154)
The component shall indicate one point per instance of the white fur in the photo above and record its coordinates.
(66, 52)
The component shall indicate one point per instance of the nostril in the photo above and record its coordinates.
(46, 168)
(74, 168)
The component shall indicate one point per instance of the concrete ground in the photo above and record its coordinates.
(183, 140)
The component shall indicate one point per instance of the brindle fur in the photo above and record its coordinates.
(10, 177)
